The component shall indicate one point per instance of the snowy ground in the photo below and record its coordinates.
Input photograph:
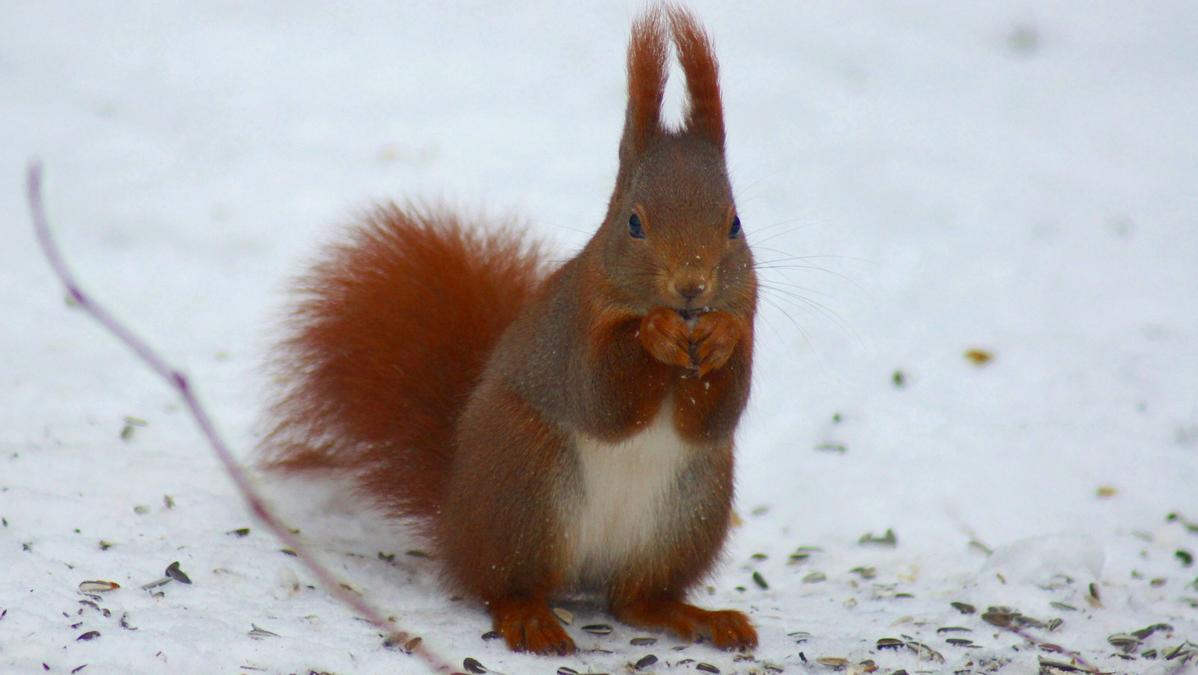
(1015, 177)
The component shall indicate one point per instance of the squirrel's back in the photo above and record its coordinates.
(389, 338)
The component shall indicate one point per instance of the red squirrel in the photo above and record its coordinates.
(552, 431)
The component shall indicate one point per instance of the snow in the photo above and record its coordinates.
(1016, 177)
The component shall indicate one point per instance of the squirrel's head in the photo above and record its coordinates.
(672, 236)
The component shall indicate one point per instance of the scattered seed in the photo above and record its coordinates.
(1190, 525)
(925, 652)
(760, 581)
(564, 615)
(1047, 664)
(865, 572)
(998, 616)
(1106, 491)
(491, 635)
(645, 661)
(98, 586)
(980, 547)
(799, 636)
(889, 643)
(815, 578)
(838, 448)
(1094, 598)
(290, 552)
(156, 583)
(89, 635)
(642, 641)
(899, 378)
(257, 633)
(887, 539)
(1124, 641)
(597, 629)
(125, 622)
(707, 668)
(239, 532)
(1184, 556)
(141, 509)
(417, 553)
(566, 670)
(1054, 623)
(953, 629)
(77, 669)
(473, 666)
(832, 662)
(1063, 606)
(964, 607)
(177, 574)
(979, 357)
(1146, 631)
(1157, 582)
(960, 642)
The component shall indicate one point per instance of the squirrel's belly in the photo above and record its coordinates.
(619, 507)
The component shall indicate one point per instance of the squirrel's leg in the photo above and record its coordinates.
(649, 591)
(498, 530)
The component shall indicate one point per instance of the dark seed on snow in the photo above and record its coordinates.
(889, 643)
(473, 666)
(964, 607)
(954, 629)
(491, 635)
(177, 574)
(959, 642)
(239, 532)
(89, 635)
(642, 641)
(645, 662)
(760, 581)
(566, 670)
(597, 629)
(707, 668)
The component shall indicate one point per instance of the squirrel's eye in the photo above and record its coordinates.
(635, 229)
(734, 231)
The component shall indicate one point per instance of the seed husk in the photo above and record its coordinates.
(964, 607)
(564, 615)
(815, 578)
(177, 574)
(1144, 632)
(886, 539)
(597, 629)
(89, 635)
(832, 662)
(491, 635)
(98, 586)
(979, 357)
(642, 641)
(889, 643)
(473, 666)
(645, 661)
(257, 633)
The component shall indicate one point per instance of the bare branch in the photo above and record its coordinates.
(240, 478)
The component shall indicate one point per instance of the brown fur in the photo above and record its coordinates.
(432, 362)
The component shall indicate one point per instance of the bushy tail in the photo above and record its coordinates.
(390, 336)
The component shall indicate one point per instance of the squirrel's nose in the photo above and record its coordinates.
(690, 289)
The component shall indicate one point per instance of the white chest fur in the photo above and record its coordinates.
(624, 491)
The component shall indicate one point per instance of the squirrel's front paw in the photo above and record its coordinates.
(665, 335)
(715, 336)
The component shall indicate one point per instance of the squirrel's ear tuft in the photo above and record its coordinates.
(704, 112)
(647, 51)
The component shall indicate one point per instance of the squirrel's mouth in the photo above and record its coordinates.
(692, 313)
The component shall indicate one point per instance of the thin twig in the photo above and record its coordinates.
(179, 381)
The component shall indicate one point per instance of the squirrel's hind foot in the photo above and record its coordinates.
(726, 629)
